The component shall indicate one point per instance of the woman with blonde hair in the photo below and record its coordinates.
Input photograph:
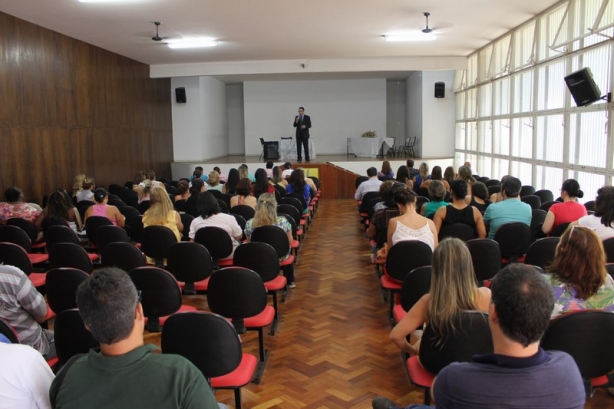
(278, 179)
(214, 181)
(89, 184)
(422, 176)
(162, 213)
(453, 289)
(577, 275)
(77, 184)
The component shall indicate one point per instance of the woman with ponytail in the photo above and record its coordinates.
(101, 208)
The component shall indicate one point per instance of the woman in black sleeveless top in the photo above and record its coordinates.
(460, 212)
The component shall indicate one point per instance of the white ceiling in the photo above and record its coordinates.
(260, 30)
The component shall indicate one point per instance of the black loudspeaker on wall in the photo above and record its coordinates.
(582, 87)
(440, 90)
(180, 95)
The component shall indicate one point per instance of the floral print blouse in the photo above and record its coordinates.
(565, 297)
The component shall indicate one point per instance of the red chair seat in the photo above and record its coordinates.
(287, 261)
(299, 232)
(183, 308)
(93, 256)
(52, 362)
(38, 279)
(398, 312)
(507, 260)
(50, 313)
(261, 320)
(40, 245)
(418, 374)
(278, 283)
(295, 244)
(240, 376)
(224, 263)
(198, 285)
(38, 258)
(600, 381)
(302, 222)
(390, 283)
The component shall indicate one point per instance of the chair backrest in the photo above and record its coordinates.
(12, 254)
(514, 239)
(216, 193)
(588, 336)
(544, 195)
(236, 293)
(189, 262)
(559, 230)
(459, 230)
(366, 198)
(292, 201)
(300, 198)
(8, 331)
(546, 206)
(82, 207)
(608, 247)
(69, 255)
(25, 225)
(590, 206)
(160, 293)
(405, 256)
(60, 234)
(110, 234)
(273, 235)
(62, 284)
(125, 256)
(537, 220)
(486, 257)
(15, 235)
(246, 211)
(541, 252)
(290, 211)
(92, 224)
(240, 220)
(136, 228)
(492, 182)
(532, 200)
(483, 179)
(215, 240)
(156, 241)
(359, 180)
(609, 267)
(472, 337)
(526, 190)
(224, 207)
(416, 284)
(226, 199)
(180, 205)
(207, 340)
(290, 220)
(279, 191)
(258, 257)
(494, 189)
(71, 336)
(186, 220)
(261, 142)
(144, 206)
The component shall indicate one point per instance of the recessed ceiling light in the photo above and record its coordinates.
(192, 43)
(410, 37)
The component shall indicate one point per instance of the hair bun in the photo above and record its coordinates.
(580, 194)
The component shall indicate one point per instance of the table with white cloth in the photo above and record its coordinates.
(368, 147)
(287, 149)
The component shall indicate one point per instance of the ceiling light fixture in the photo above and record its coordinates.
(192, 43)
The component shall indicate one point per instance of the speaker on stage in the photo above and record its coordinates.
(271, 150)
(582, 87)
(440, 90)
(180, 95)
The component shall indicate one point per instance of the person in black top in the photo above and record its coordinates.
(460, 212)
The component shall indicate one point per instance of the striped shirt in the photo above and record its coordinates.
(20, 304)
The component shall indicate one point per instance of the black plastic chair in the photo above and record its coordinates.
(247, 212)
(492, 182)
(459, 230)
(180, 205)
(241, 222)
(15, 235)
(514, 240)
(60, 234)
(494, 189)
(541, 252)
(239, 294)
(13, 255)
(156, 241)
(160, 295)
(262, 258)
(136, 228)
(486, 258)
(359, 180)
(226, 199)
(546, 206)
(588, 336)
(191, 265)
(211, 343)
(186, 220)
(8, 331)
(217, 242)
(71, 336)
(608, 247)
(559, 230)
(532, 200)
(110, 234)
(52, 221)
(590, 206)
(125, 256)
(293, 201)
(30, 229)
(537, 220)
(216, 193)
(278, 239)
(62, 284)
(92, 224)
(70, 255)
(544, 195)
(416, 284)
(526, 190)
(82, 207)
(144, 206)
(224, 208)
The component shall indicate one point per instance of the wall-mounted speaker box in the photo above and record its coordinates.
(180, 95)
(440, 90)
(582, 87)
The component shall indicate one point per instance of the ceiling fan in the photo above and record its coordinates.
(427, 29)
(157, 37)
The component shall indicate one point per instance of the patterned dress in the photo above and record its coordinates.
(565, 297)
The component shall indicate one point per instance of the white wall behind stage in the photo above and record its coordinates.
(339, 109)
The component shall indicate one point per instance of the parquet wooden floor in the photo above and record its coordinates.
(332, 348)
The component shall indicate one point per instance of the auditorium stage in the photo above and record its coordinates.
(347, 162)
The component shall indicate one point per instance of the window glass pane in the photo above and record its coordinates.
(484, 63)
(499, 62)
(522, 137)
(589, 183)
(550, 138)
(484, 166)
(472, 69)
(523, 45)
(460, 105)
(459, 79)
(607, 19)
(548, 178)
(551, 87)
(523, 171)
(500, 168)
(471, 102)
(485, 100)
(549, 25)
(523, 91)
(501, 97)
(588, 139)
(471, 133)
(484, 137)
(460, 136)
(501, 136)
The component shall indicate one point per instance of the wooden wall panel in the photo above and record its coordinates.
(69, 107)
(336, 182)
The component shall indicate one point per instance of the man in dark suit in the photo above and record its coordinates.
(302, 123)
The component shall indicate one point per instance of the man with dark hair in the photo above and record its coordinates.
(370, 185)
(125, 373)
(412, 171)
(510, 210)
(519, 374)
(302, 123)
(15, 207)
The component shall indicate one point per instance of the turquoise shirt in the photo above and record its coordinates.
(507, 211)
(431, 207)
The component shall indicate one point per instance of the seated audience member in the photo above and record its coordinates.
(460, 212)
(287, 170)
(214, 181)
(232, 182)
(510, 210)
(87, 193)
(436, 175)
(25, 378)
(437, 192)
(453, 289)
(519, 313)
(183, 190)
(269, 169)
(384, 188)
(15, 207)
(578, 276)
(498, 197)
(211, 215)
(386, 172)
(223, 177)
(262, 184)
(403, 176)
(59, 204)
(449, 175)
(422, 176)
(139, 176)
(465, 173)
(77, 184)
(468, 165)
(410, 167)
(479, 197)
(198, 174)
(601, 222)
(102, 208)
(310, 183)
(378, 227)
(266, 215)
(297, 184)
(125, 373)
(568, 211)
(410, 225)
(244, 173)
(243, 194)
(191, 203)
(144, 190)
(162, 213)
(151, 175)
(278, 179)
(22, 306)
(370, 185)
